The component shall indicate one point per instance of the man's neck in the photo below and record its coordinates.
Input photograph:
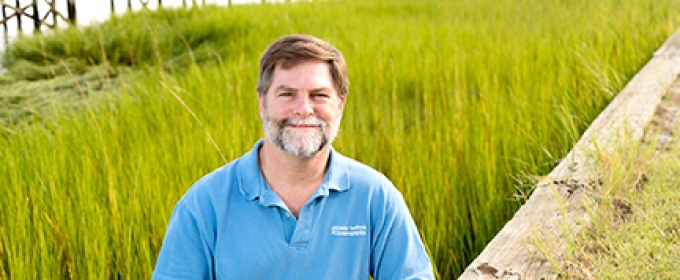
(286, 172)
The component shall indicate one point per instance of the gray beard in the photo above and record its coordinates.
(300, 143)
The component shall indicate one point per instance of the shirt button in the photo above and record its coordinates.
(288, 214)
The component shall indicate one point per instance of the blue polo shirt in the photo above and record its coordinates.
(231, 225)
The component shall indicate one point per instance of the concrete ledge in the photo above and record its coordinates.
(508, 255)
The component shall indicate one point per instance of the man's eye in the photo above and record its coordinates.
(285, 94)
(320, 95)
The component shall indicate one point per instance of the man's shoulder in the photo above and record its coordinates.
(217, 183)
(353, 165)
(361, 173)
(216, 178)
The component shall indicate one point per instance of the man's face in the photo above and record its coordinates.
(301, 111)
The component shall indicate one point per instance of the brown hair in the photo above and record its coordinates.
(289, 51)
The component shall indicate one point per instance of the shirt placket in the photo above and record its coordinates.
(303, 229)
(289, 223)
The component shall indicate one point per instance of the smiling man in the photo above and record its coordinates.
(292, 207)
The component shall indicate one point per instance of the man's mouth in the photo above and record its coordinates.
(301, 125)
(304, 126)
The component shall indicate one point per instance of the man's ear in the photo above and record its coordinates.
(260, 101)
(342, 102)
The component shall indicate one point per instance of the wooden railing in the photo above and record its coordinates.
(32, 12)
(19, 11)
(145, 4)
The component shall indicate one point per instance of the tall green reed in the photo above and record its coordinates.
(449, 100)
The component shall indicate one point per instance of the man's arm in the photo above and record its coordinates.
(398, 251)
(184, 254)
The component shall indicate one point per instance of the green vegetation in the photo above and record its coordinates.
(450, 99)
(634, 230)
(640, 233)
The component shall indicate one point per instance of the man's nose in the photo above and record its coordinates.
(303, 107)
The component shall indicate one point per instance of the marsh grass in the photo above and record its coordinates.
(449, 99)
(27, 101)
(632, 230)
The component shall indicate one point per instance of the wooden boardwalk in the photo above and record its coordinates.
(26, 16)
(31, 11)
(556, 203)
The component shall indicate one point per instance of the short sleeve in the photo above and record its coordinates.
(398, 251)
(184, 254)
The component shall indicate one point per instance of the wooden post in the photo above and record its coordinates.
(113, 7)
(160, 3)
(19, 14)
(36, 17)
(53, 10)
(4, 16)
(556, 209)
(129, 8)
(71, 10)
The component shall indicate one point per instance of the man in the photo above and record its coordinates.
(293, 208)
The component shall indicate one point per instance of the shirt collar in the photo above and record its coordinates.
(253, 186)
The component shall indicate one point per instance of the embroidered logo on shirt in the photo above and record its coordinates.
(355, 230)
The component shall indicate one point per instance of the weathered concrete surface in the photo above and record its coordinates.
(555, 204)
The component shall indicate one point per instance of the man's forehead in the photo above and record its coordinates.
(291, 63)
(292, 88)
(285, 67)
(316, 74)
